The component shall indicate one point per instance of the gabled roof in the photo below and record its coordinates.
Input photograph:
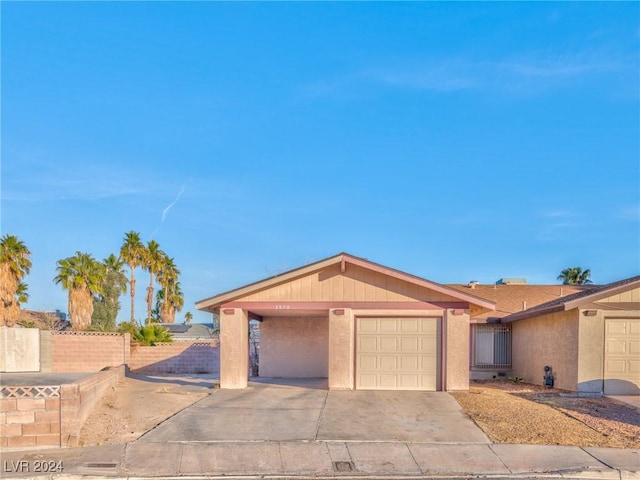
(577, 300)
(512, 298)
(211, 303)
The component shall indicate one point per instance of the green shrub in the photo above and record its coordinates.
(146, 334)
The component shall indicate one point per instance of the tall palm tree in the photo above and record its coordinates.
(152, 263)
(168, 278)
(15, 263)
(132, 253)
(83, 276)
(575, 276)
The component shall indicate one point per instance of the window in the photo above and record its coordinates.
(491, 346)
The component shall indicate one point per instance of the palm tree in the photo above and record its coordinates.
(132, 253)
(106, 305)
(15, 264)
(188, 317)
(152, 262)
(22, 294)
(575, 276)
(168, 279)
(174, 302)
(83, 276)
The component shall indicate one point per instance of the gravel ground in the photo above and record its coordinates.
(530, 414)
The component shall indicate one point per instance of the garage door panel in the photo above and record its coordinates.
(388, 325)
(368, 344)
(388, 344)
(368, 325)
(616, 327)
(388, 381)
(409, 382)
(410, 325)
(368, 362)
(428, 345)
(406, 352)
(388, 362)
(409, 344)
(622, 356)
(616, 347)
(409, 362)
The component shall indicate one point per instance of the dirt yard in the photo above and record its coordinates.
(529, 414)
(138, 404)
(507, 412)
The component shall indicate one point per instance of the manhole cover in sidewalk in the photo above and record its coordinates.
(343, 466)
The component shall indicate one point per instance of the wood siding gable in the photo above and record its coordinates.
(356, 284)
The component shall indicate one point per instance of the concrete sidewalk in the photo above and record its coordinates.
(323, 459)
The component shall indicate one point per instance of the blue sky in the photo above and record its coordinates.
(454, 141)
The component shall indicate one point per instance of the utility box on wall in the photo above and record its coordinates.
(19, 349)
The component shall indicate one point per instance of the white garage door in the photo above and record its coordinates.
(622, 356)
(397, 354)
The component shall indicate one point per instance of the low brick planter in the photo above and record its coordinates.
(52, 415)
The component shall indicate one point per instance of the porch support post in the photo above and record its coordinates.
(234, 348)
(456, 355)
(341, 349)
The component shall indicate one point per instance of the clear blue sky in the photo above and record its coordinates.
(454, 141)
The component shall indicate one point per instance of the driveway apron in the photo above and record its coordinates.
(267, 412)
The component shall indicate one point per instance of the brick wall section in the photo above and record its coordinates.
(29, 422)
(78, 399)
(51, 415)
(88, 352)
(177, 357)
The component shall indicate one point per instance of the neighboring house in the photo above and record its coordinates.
(590, 339)
(491, 343)
(360, 324)
(191, 332)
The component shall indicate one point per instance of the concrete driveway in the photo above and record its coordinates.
(270, 412)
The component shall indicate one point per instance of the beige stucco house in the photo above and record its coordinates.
(360, 324)
(590, 339)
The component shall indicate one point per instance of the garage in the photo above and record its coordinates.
(357, 323)
(622, 356)
(397, 354)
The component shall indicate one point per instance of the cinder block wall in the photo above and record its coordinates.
(88, 351)
(32, 416)
(78, 399)
(176, 357)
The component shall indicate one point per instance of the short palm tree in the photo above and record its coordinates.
(188, 317)
(575, 276)
(132, 253)
(152, 263)
(15, 263)
(83, 276)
